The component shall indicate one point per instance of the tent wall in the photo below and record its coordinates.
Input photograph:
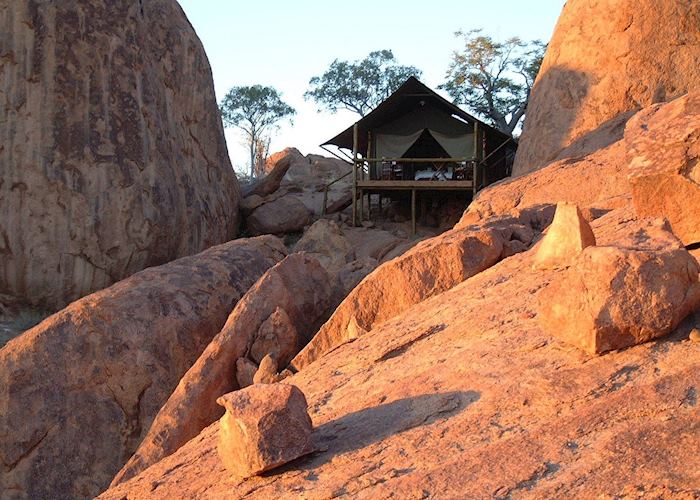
(396, 137)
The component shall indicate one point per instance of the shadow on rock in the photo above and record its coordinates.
(356, 430)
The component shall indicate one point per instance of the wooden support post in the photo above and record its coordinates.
(369, 154)
(475, 187)
(354, 174)
(413, 210)
(362, 206)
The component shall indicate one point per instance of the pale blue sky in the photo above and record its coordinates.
(284, 44)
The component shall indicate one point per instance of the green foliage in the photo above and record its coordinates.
(359, 86)
(494, 79)
(256, 110)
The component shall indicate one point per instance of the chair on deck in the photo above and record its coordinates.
(385, 171)
(460, 172)
(397, 171)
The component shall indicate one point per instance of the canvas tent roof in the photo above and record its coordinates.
(405, 99)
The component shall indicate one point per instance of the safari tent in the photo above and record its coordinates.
(416, 141)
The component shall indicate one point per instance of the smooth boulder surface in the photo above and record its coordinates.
(597, 179)
(567, 236)
(79, 391)
(465, 396)
(264, 426)
(283, 215)
(301, 287)
(431, 267)
(112, 152)
(663, 145)
(611, 298)
(607, 58)
(307, 177)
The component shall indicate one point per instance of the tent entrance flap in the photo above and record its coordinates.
(461, 146)
(395, 146)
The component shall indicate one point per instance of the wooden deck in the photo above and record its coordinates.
(417, 185)
(369, 187)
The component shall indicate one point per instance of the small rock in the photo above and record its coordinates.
(264, 426)
(354, 329)
(566, 238)
(245, 370)
(694, 335)
(614, 298)
(267, 373)
(325, 240)
(277, 336)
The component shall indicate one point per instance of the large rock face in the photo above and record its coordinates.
(598, 179)
(663, 144)
(300, 286)
(465, 396)
(112, 155)
(79, 391)
(606, 58)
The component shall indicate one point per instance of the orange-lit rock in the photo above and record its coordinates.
(663, 145)
(276, 336)
(467, 381)
(598, 179)
(301, 287)
(267, 371)
(264, 426)
(612, 298)
(79, 391)
(431, 267)
(566, 238)
(272, 179)
(607, 58)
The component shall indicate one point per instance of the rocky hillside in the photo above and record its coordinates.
(112, 154)
(80, 390)
(478, 378)
(546, 346)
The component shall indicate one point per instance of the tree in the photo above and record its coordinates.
(262, 149)
(256, 110)
(359, 86)
(493, 78)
